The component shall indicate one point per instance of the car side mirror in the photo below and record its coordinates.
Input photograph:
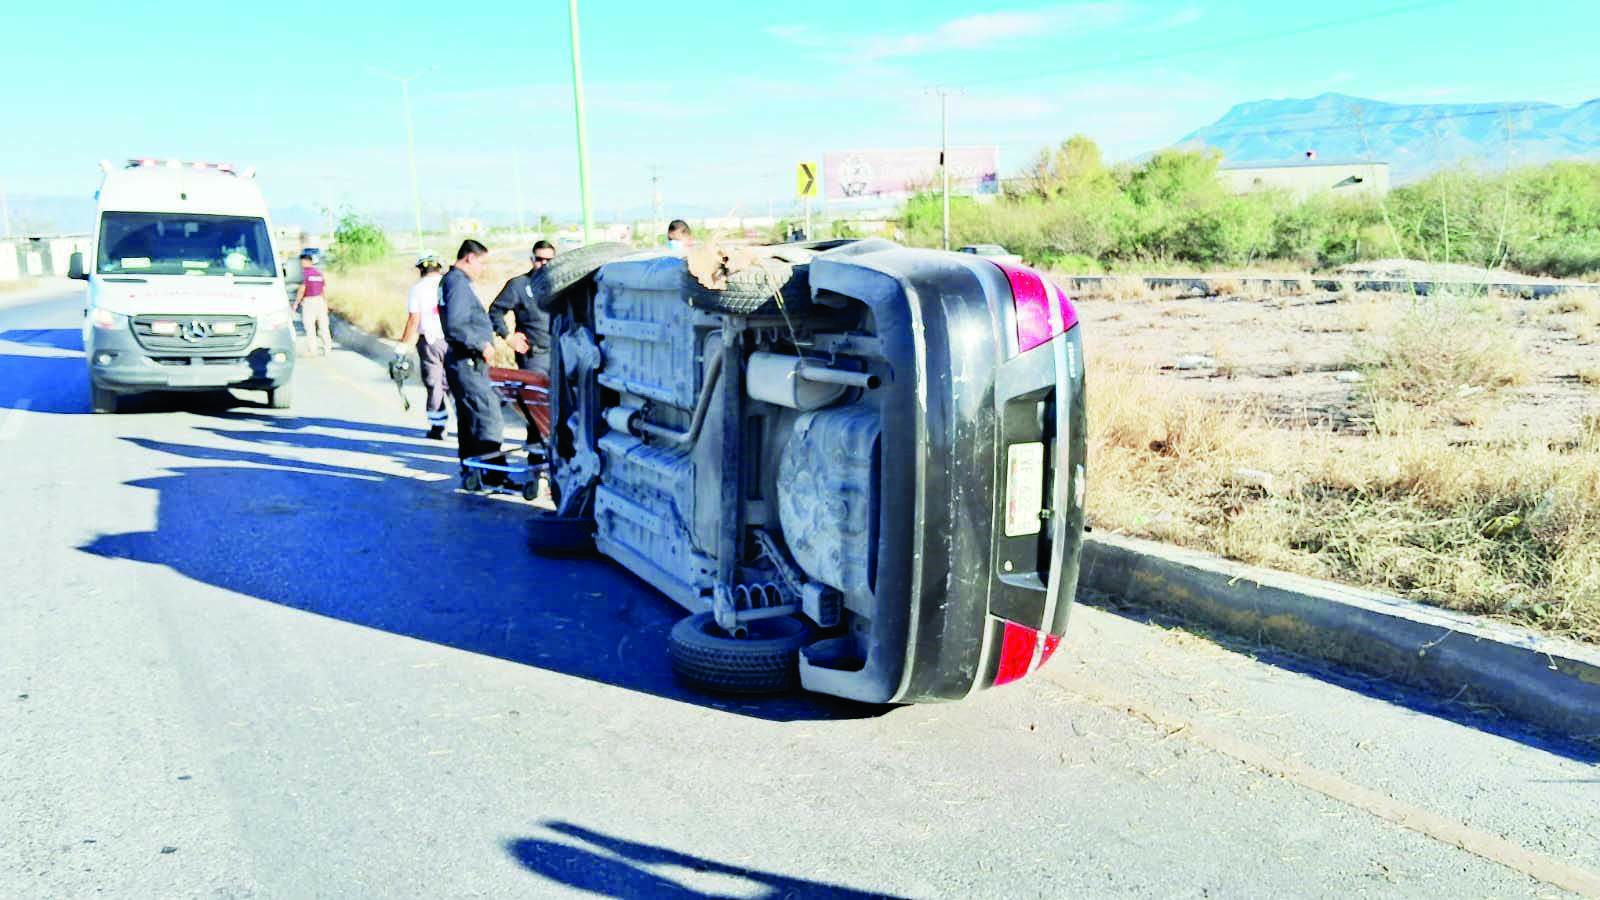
(75, 266)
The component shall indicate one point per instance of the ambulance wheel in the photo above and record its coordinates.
(102, 400)
(471, 480)
(765, 661)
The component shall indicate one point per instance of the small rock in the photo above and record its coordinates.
(1469, 390)
(1255, 478)
(1349, 377)
(1194, 361)
(185, 777)
(167, 850)
(22, 696)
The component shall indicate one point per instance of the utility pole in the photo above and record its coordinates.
(944, 158)
(5, 215)
(411, 142)
(516, 176)
(655, 203)
(583, 128)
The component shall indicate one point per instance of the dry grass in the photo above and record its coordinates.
(19, 284)
(373, 297)
(1508, 530)
(1440, 349)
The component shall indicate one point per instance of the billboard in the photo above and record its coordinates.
(889, 174)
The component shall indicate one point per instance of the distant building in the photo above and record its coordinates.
(1309, 177)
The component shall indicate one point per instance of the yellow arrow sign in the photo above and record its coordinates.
(805, 183)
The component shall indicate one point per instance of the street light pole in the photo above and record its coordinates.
(411, 143)
(583, 128)
(944, 158)
(411, 156)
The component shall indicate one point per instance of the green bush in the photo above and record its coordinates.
(357, 241)
(1068, 208)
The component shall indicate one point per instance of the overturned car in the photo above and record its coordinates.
(859, 467)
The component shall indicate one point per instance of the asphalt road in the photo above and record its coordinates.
(251, 653)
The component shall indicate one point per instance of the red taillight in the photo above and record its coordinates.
(1023, 650)
(1043, 310)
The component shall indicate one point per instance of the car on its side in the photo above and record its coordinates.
(858, 466)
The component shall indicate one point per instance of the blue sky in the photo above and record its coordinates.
(724, 96)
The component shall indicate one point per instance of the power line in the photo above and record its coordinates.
(1231, 44)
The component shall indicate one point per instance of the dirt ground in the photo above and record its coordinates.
(1290, 360)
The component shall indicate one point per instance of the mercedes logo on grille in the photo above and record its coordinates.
(195, 331)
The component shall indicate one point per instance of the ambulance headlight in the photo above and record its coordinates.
(106, 320)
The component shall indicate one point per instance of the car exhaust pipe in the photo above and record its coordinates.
(813, 372)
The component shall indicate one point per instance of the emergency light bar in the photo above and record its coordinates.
(147, 162)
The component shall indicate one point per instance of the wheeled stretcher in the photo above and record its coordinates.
(521, 464)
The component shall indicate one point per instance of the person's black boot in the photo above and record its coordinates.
(436, 433)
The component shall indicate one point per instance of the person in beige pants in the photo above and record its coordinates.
(312, 305)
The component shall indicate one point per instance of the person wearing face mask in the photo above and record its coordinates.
(679, 237)
(469, 343)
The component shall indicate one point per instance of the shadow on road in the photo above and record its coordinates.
(413, 558)
(70, 339)
(55, 380)
(613, 867)
(1486, 720)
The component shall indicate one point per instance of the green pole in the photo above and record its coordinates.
(411, 156)
(583, 128)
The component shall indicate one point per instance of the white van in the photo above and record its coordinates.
(184, 290)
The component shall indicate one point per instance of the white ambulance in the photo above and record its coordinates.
(184, 290)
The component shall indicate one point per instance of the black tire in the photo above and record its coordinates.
(280, 397)
(530, 490)
(750, 291)
(571, 267)
(471, 480)
(766, 662)
(102, 400)
(560, 537)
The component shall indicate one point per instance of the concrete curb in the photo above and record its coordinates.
(1548, 682)
(1201, 286)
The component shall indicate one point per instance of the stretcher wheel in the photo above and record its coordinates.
(471, 480)
(530, 490)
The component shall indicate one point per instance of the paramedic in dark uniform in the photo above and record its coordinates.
(469, 342)
(531, 339)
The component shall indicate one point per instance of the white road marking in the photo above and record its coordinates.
(12, 424)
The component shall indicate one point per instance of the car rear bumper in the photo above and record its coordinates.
(118, 363)
(950, 574)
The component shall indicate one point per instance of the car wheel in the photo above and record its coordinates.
(280, 397)
(765, 662)
(560, 536)
(571, 267)
(756, 290)
(102, 400)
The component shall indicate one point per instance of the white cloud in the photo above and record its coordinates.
(974, 32)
